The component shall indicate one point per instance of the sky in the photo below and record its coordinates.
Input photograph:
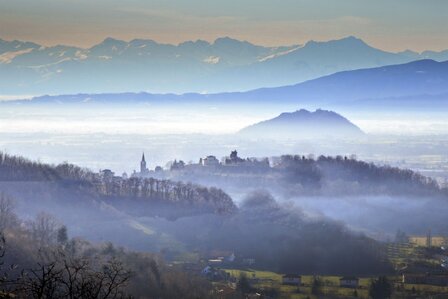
(392, 25)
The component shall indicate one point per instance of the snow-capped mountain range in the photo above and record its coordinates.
(193, 66)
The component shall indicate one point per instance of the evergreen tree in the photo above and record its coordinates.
(316, 287)
(380, 288)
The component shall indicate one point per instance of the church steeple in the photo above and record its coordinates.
(143, 168)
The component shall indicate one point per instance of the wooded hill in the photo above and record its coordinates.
(86, 183)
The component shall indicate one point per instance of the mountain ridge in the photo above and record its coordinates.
(420, 83)
(224, 65)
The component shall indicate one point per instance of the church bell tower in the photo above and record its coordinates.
(143, 168)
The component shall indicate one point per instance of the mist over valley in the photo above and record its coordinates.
(223, 150)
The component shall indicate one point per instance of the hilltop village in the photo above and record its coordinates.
(290, 175)
(207, 164)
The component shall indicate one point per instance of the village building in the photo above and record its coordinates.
(216, 261)
(231, 258)
(217, 257)
(177, 165)
(210, 161)
(250, 163)
(254, 296)
(215, 274)
(225, 291)
(248, 261)
(107, 174)
(292, 279)
(349, 282)
(233, 159)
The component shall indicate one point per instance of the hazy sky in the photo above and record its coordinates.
(388, 24)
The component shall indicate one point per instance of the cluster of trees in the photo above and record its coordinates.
(13, 168)
(380, 288)
(281, 238)
(349, 175)
(298, 169)
(167, 191)
(294, 175)
(39, 260)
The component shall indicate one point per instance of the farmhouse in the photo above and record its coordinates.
(348, 282)
(217, 261)
(292, 279)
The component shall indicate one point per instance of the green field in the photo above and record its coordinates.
(266, 279)
(271, 280)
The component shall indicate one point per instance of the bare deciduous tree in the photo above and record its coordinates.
(44, 229)
(68, 277)
(7, 216)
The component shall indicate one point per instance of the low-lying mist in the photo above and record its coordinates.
(295, 214)
(381, 216)
(173, 217)
(277, 236)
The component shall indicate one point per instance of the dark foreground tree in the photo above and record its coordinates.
(243, 284)
(380, 288)
(75, 278)
(316, 287)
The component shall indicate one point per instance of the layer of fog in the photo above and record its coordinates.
(381, 216)
(197, 118)
(120, 153)
(263, 228)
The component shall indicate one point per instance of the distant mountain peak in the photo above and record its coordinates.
(304, 124)
(229, 42)
(195, 42)
(303, 113)
(139, 42)
(111, 42)
(352, 38)
(226, 39)
(350, 41)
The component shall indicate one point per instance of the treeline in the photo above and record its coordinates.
(167, 191)
(39, 260)
(18, 169)
(349, 175)
(15, 168)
